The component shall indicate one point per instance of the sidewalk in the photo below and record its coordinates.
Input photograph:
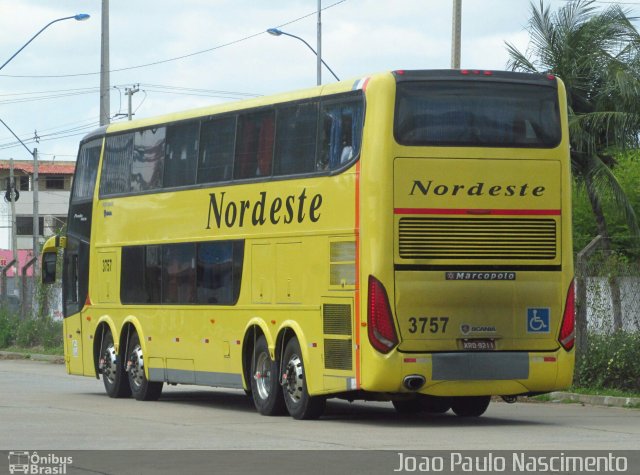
(560, 396)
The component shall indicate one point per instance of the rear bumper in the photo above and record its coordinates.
(474, 373)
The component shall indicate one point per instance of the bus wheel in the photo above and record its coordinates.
(299, 404)
(434, 404)
(470, 406)
(407, 406)
(114, 378)
(265, 385)
(141, 388)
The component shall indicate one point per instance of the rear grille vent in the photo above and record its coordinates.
(477, 238)
(336, 319)
(337, 354)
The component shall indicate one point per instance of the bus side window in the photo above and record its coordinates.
(116, 168)
(296, 135)
(181, 155)
(178, 273)
(72, 279)
(341, 134)
(254, 145)
(148, 158)
(217, 141)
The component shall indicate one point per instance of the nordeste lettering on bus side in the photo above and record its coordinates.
(276, 210)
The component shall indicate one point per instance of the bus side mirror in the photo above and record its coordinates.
(49, 261)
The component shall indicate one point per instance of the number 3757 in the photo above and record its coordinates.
(428, 324)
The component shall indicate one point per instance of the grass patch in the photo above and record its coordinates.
(610, 362)
(33, 334)
(35, 350)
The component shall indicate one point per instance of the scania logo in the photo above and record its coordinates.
(465, 329)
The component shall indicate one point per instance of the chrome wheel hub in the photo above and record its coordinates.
(135, 366)
(263, 375)
(293, 378)
(108, 364)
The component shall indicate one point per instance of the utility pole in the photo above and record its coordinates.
(36, 214)
(130, 91)
(12, 197)
(319, 48)
(455, 34)
(104, 66)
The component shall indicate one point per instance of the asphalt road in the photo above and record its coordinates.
(41, 407)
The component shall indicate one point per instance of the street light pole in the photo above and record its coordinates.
(277, 32)
(456, 30)
(78, 17)
(105, 97)
(319, 40)
(36, 216)
(34, 153)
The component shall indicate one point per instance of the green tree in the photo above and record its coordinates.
(597, 55)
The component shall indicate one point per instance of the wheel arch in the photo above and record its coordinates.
(132, 325)
(104, 323)
(255, 328)
(287, 331)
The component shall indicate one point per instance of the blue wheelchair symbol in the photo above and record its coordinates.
(538, 320)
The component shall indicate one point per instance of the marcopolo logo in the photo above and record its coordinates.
(480, 275)
(38, 464)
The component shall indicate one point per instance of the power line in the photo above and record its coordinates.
(176, 58)
(37, 96)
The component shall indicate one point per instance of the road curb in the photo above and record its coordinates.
(593, 400)
(12, 355)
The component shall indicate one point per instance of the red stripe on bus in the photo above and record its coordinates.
(357, 289)
(479, 212)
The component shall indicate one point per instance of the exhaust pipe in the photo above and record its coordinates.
(413, 382)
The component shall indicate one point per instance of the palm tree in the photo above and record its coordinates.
(597, 55)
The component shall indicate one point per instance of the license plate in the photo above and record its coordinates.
(478, 344)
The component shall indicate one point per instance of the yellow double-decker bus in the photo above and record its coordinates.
(405, 236)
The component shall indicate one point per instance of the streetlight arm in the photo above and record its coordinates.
(276, 32)
(17, 138)
(79, 17)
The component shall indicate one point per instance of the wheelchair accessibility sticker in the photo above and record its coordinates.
(538, 320)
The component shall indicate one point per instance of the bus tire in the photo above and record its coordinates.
(470, 406)
(115, 380)
(434, 404)
(296, 396)
(407, 406)
(265, 382)
(141, 388)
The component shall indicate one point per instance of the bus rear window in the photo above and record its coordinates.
(476, 114)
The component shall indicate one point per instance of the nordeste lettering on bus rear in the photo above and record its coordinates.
(479, 188)
(287, 210)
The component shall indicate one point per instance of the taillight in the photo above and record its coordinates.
(382, 331)
(567, 335)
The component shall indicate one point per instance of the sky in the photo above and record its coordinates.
(51, 89)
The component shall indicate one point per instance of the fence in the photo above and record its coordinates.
(18, 292)
(607, 290)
